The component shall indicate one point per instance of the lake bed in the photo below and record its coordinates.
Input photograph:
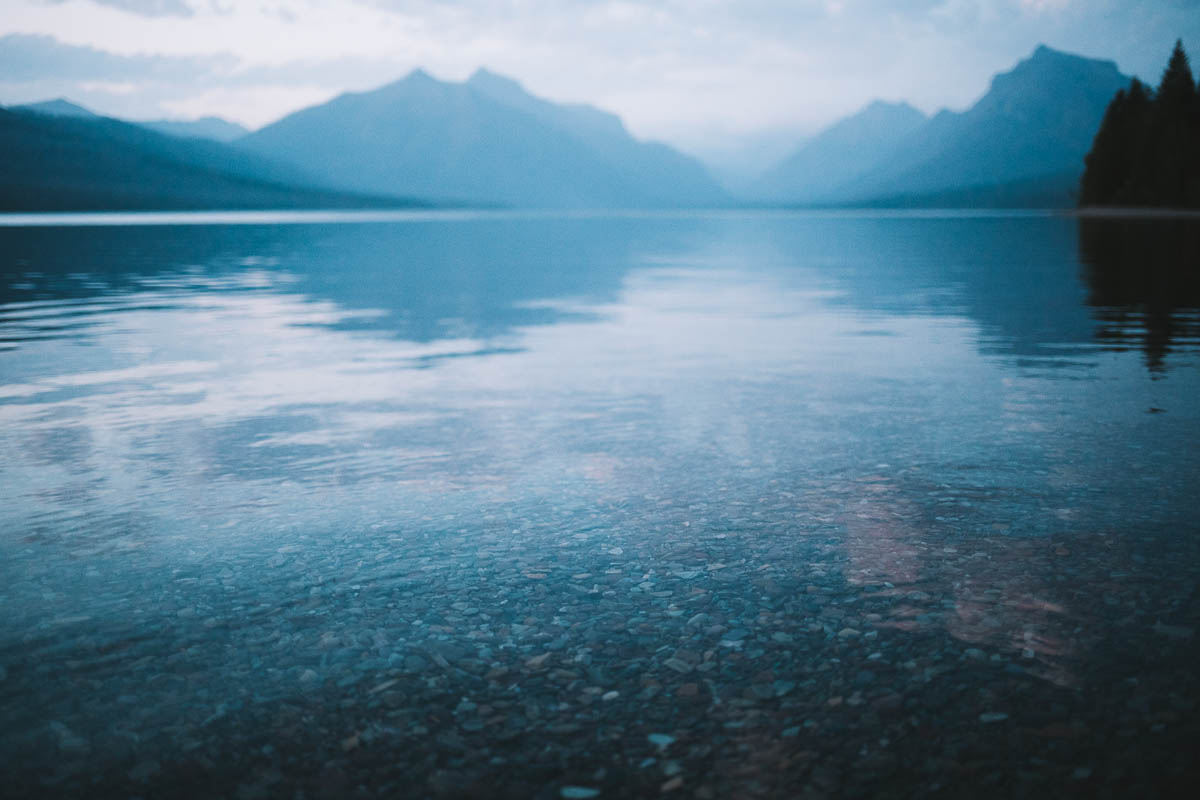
(702, 505)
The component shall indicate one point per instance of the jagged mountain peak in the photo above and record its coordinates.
(1044, 54)
(484, 77)
(419, 75)
(1047, 69)
(887, 106)
(418, 78)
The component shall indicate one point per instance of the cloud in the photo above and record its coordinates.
(34, 57)
(145, 8)
(694, 72)
(139, 86)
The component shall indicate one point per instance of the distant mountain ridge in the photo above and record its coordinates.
(485, 140)
(214, 128)
(74, 162)
(58, 107)
(839, 153)
(1032, 127)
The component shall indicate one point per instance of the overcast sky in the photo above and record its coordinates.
(691, 72)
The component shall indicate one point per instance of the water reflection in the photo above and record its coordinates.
(821, 466)
(504, 357)
(478, 278)
(1143, 277)
(419, 281)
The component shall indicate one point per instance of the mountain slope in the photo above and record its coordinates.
(1036, 120)
(59, 107)
(1025, 138)
(59, 163)
(1050, 190)
(839, 154)
(485, 140)
(215, 128)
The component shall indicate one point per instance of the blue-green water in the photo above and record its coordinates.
(267, 462)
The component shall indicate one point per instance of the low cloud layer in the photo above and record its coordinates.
(34, 57)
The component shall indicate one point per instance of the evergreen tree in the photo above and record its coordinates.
(1177, 89)
(1193, 149)
(1147, 150)
(1139, 155)
(1109, 168)
(1173, 128)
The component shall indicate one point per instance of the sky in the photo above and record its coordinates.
(714, 77)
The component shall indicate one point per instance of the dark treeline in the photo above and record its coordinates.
(1147, 151)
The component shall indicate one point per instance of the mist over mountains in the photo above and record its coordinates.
(487, 141)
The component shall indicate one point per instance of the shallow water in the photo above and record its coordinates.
(839, 504)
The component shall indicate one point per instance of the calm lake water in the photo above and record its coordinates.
(441, 505)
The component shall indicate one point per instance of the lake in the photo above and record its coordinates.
(534, 505)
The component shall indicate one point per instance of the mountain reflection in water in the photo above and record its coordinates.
(477, 505)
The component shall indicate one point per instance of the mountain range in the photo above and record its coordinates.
(214, 128)
(487, 141)
(1023, 141)
(841, 152)
(71, 162)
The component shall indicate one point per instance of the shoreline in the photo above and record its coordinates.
(293, 216)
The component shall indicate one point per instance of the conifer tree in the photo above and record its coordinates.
(1169, 148)
(1147, 150)
(1109, 176)
(1177, 90)
(1138, 153)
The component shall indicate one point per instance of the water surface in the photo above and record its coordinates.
(840, 503)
